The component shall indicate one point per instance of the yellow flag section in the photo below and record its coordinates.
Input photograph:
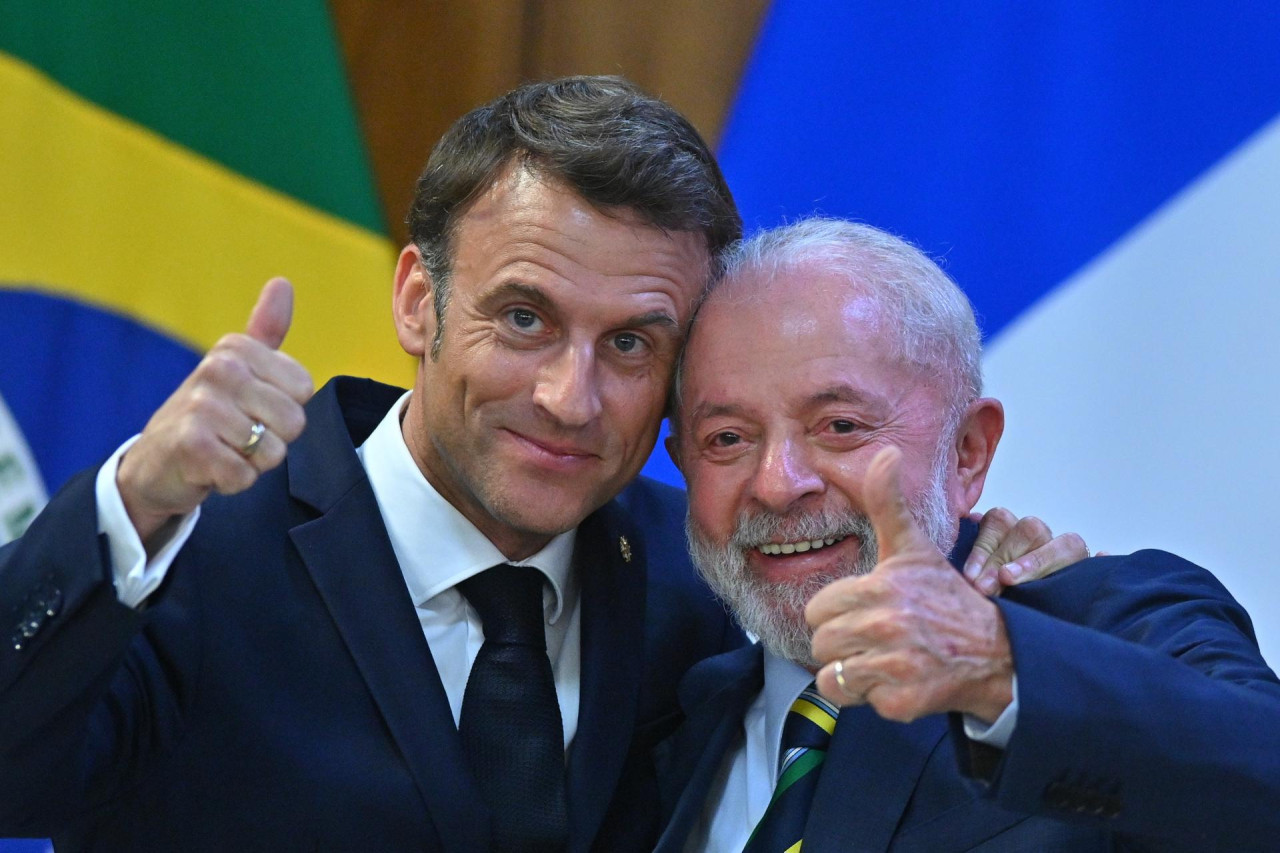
(101, 209)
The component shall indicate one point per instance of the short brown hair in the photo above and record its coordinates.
(608, 141)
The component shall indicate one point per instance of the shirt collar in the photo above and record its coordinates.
(784, 681)
(436, 545)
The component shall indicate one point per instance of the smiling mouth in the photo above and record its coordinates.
(774, 549)
(554, 450)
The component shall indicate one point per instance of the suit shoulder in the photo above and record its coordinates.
(649, 500)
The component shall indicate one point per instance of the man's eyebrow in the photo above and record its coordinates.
(527, 292)
(842, 393)
(652, 318)
(716, 410)
(839, 394)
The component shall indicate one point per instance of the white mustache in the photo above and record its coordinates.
(760, 528)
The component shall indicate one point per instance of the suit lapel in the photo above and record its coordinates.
(349, 557)
(870, 773)
(613, 608)
(715, 695)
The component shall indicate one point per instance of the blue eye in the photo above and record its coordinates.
(522, 318)
(626, 342)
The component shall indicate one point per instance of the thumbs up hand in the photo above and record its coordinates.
(912, 637)
(228, 422)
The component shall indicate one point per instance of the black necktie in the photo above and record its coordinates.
(511, 729)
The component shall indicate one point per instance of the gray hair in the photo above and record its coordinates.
(927, 313)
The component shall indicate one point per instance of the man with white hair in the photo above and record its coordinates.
(832, 433)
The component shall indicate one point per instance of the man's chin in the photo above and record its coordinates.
(529, 515)
(774, 614)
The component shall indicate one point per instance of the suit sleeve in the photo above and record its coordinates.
(1145, 706)
(80, 691)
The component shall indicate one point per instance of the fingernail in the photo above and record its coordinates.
(1013, 570)
(987, 585)
(972, 568)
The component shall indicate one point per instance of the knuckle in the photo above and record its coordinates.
(195, 441)
(303, 385)
(203, 402)
(895, 705)
(238, 477)
(1075, 545)
(292, 422)
(230, 341)
(222, 367)
(1004, 514)
(899, 669)
(998, 519)
(826, 604)
(829, 688)
(826, 643)
(883, 627)
(269, 457)
(1036, 530)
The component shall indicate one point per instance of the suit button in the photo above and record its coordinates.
(1111, 807)
(17, 642)
(30, 627)
(53, 603)
(1057, 796)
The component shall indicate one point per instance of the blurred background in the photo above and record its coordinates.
(1102, 178)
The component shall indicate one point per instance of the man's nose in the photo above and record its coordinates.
(786, 474)
(568, 388)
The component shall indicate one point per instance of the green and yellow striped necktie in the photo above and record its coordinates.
(805, 736)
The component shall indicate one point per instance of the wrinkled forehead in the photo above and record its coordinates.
(792, 302)
(757, 319)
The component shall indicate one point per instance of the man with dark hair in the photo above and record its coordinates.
(614, 146)
(350, 654)
(1120, 705)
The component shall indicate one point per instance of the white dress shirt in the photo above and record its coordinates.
(743, 787)
(436, 547)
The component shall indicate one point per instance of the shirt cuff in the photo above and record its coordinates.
(134, 576)
(998, 733)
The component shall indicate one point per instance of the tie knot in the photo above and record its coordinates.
(810, 721)
(509, 602)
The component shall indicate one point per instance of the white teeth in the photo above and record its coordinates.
(773, 549)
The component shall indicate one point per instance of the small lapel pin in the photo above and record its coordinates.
(625, 547)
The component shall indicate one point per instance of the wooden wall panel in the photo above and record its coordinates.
(689, 52)
(416, 65)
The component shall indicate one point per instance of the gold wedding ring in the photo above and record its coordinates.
(256, 432)
(838, 669)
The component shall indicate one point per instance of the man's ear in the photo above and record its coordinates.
(975, 446)
(411, 303)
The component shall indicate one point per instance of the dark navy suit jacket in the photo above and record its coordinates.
(277, 692)
(1147, 721)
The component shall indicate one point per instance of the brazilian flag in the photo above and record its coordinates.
(159, 161)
